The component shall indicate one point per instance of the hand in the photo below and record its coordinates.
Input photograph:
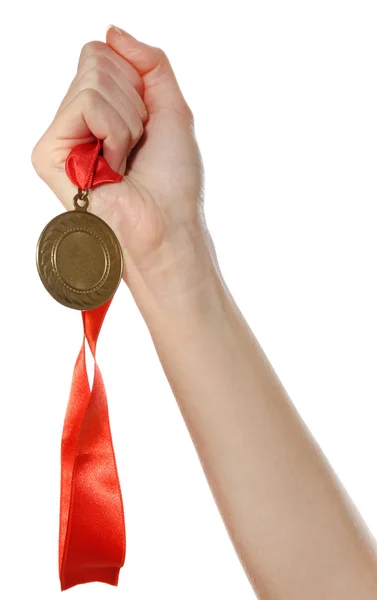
(125, 92)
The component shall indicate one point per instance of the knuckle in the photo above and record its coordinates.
(124, 131)
(37, 159)
(97, 78)
(139, 130)
(144, 113)
(90, 48)
(97, 61)
(90, 97)
(161, 55)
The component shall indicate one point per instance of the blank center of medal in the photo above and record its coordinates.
(80, 260)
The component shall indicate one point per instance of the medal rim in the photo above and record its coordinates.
(51, 290)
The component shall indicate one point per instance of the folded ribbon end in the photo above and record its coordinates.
(109, 575)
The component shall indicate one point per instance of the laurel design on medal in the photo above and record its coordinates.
(79, 260)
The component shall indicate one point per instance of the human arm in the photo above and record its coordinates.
(294, 529)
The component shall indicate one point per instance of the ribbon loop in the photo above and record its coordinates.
(86, 168)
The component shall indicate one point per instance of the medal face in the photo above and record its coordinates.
(79, 260)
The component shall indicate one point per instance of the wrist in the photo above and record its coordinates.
(181, 281)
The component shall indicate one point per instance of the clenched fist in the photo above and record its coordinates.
(125, 93)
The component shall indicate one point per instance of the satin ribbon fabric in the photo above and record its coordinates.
(87, 168)
(92, 537)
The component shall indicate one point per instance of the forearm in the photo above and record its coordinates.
(292, 525)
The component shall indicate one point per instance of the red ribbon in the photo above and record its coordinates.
(92, 538)
(87, 168)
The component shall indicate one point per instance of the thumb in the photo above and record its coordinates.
(161, 89)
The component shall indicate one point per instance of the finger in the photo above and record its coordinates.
(103, 83)
(101, 62)
(124, 75)
(161, 89)
(87, 115)
(101, 49)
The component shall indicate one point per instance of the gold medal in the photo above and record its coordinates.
(79, 258)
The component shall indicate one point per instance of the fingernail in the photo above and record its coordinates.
(117, 29)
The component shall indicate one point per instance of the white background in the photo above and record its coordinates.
(284, 96)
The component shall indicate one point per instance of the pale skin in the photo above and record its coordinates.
(296, 532)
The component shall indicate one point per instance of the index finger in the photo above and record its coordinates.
(98, 48)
